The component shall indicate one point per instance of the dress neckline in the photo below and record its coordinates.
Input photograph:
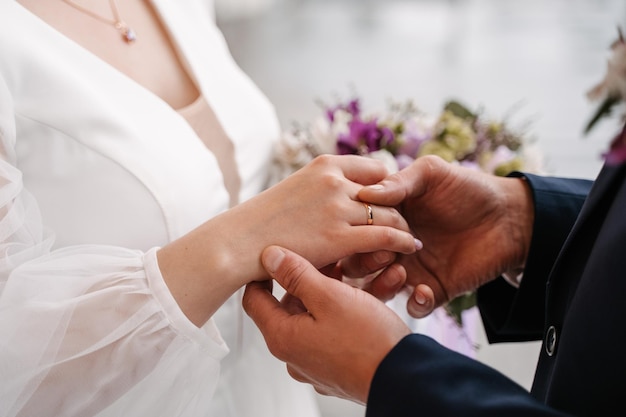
(193, 107)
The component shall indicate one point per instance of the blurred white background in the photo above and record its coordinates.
(539, 57)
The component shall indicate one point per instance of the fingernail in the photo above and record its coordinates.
(376, 187)
(419, 297)
(272, 258)
(418, 244)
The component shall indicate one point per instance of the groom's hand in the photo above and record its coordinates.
(330, 334)
(474, 226)
(377, 273)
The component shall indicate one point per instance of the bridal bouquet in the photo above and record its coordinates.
(402, 133)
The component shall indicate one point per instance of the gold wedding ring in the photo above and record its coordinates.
(370, 213)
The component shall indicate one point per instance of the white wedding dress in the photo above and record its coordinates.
(97, 172)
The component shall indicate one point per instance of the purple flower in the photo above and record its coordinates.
(404, 161)
(330, 114)
(471, 165)
(364, 137)
(617, 151)
(387, 137)
(411, 144)
(413, 137)
(353, 107)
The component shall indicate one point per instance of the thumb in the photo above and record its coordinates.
(422, 301)
(412, 182)
(394, 189)
(296, 275)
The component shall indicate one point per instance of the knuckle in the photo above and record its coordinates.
(369, 264)
(282, 340)
(333, 207)
(248, 304)
(332, 182)
(324, 160)
(387, 237)
(433, 161)
(279, 350)
(295, 374)
(434, 164)
(393, 239)
(395, 216)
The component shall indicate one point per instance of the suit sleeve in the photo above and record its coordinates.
(419, 377)
(511, 314)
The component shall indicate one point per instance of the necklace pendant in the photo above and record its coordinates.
(129, 35)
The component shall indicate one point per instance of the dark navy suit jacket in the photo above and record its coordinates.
(572, 296)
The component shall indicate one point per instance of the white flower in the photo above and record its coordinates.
(614, 83)
(500, 156)
(323, 137)
(533, 159)
(291, 153)
(386, 158)
(423, 124)
(294, 149)
(340, 123)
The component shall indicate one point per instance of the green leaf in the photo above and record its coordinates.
(459, 110)
(457, 306)
(603, 110)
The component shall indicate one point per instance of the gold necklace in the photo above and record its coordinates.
(128, 34)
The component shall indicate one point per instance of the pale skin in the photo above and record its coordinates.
(151, 60)
(474, 226)
(315, 213)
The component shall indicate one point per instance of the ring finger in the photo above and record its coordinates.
(372, 215)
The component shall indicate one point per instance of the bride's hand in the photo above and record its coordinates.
(315, 212)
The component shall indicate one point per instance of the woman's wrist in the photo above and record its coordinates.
(202, 271)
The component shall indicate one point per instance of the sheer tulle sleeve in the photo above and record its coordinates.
(89, 330)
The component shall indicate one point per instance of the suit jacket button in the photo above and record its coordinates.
(550, 342)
